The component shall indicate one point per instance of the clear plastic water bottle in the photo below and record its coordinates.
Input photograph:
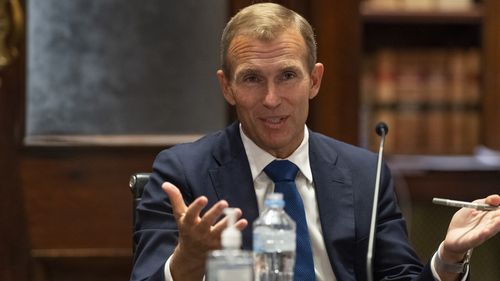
(274, 242)
(230, 263)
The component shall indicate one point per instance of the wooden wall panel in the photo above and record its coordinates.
(13, 236)
(334, 111)
(491, 89)
(79, 209)
(83, 269)
(14, 241)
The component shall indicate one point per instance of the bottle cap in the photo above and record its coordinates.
(231, 236)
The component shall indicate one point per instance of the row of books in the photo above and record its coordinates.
(420, 4)
(427, 132)
(430, 99)
(416, 75)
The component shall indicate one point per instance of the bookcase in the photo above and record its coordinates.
(422, 73)
(433, 74)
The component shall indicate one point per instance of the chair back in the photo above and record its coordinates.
(137, 183)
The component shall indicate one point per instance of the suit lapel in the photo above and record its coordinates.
(232, 179)
(334, 195)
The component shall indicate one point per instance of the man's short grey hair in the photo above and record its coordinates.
(266, 21)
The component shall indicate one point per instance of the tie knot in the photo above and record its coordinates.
(281, 171)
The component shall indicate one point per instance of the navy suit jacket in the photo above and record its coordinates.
(216, 166)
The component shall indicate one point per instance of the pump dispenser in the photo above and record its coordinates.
(231, 236)
(230, 263)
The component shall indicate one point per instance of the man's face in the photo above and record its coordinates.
(271, 87)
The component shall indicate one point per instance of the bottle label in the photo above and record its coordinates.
(232, 274)
(271, 240)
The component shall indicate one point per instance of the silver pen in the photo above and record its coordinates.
(463, 204)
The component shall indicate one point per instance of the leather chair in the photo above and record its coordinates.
(137, 183)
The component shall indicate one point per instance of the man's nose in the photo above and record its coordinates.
(272, 97)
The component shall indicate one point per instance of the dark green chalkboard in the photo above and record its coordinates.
(124, 67)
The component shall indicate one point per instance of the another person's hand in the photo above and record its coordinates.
(197, 234)
(470, 228)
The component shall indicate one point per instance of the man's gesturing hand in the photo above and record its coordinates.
(197, 234)
(469, 228)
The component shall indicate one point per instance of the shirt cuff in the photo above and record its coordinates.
(166, 270)
(434, 271)
(167, 273)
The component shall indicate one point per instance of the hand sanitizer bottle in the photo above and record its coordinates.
(231, 263)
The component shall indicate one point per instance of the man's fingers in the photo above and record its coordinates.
(211, 216)
(175, 196)
(222, 224)
(493, 200)
(241, 224)
(192, 214)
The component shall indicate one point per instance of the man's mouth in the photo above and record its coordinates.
(274, 120)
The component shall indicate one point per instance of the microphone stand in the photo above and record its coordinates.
(382, 131)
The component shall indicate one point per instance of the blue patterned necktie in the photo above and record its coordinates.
(283, 173)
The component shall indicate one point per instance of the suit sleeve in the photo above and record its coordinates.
(156, 232)
(394, 257)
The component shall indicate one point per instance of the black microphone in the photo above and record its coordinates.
(381, 129)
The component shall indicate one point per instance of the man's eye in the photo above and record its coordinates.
(251, 79)
(288, 75)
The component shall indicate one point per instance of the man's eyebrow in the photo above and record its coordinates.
(247, 71)
(291, 68)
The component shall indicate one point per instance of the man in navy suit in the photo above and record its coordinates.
(269, 73)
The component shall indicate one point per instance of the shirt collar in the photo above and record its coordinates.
(259, 158)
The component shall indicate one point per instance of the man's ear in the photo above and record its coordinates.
(316, 76)
(225, 87)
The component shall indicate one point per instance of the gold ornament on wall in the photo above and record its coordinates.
(11, 30)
